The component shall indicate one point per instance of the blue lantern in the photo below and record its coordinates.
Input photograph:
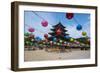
(38, 39)
(79, 27)
(54, 39)
(67, 37)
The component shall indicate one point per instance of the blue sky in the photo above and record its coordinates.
(53, 18)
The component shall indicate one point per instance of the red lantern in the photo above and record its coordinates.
(31, 30)
(46, 36)
(44, 23)
(58, 31)
(69, 15)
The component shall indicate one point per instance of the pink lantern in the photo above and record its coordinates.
(44, 23)
(31, 30)
(69, 15)
(51, 43)
(77, 42)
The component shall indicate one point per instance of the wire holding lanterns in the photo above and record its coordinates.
(70, 16)
(33, 28)
(44, 22)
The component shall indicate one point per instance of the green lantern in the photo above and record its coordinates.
(25, 37)
(60, 41)
(84, 33)
(27, 42)
(72, 40)
(32, 40)
(54, 42)
(31, 43)
(26, 34)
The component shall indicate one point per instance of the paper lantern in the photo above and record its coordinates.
(31, 30)
(84, 33)
(54, 39)
(72, 40)
(50, 42)
(26, 34)
(32, 39)
(77, 42)
(79, 27)
(60, 41)
(38, 38)
(54, 42)
(44, 23)
(69, 15)
(65, 42)
(27, 42)
(67, 37)
(31, 36)
(31, 44)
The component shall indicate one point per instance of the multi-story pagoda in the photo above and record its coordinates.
(59, 32)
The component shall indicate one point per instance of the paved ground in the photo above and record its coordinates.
(40, 55)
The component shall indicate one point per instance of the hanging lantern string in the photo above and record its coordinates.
(27, 25)
(35, 28)
(76, 20)
(39, 16)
